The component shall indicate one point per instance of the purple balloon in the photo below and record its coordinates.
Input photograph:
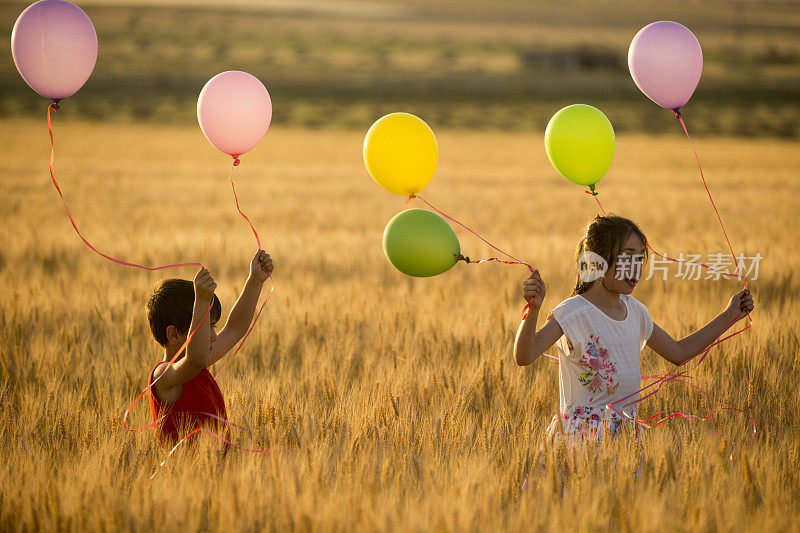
(54, 47)
(666, 61)
(234, 111)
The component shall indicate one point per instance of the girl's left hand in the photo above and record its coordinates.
(261, 266)
(740, 304)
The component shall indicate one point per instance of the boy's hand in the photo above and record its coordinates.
(204, 285)
(740, 304)
(261, 266)
(533, 290)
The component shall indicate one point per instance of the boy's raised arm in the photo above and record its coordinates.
(198, 349)
(241, 314)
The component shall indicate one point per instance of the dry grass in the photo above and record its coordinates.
(395, 399)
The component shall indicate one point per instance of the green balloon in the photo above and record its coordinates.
(579, 141)
(420, 243)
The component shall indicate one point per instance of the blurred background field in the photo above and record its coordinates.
(392, 403)
(504, 65)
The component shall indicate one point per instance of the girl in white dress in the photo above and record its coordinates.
(601, 331)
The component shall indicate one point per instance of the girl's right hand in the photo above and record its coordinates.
(533, 290)
(740, 305)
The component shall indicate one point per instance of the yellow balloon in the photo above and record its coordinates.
(579, 141)
(401, 153)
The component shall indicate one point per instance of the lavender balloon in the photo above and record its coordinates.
(666, 61)
(54, 46)
(234, 111)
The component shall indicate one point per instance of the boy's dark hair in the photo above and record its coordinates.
(171, 305)
(605, 236)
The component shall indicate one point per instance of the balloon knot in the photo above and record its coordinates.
(410, 196)
(236, 161)
(54, 106)
(593, 193)
(460, 257)
(677, 112)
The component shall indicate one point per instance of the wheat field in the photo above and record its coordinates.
(389, 403)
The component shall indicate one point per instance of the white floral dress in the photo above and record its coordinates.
(598, 363)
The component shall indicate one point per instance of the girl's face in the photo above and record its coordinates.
(624, 274)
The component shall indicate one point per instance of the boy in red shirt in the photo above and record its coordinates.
(186, 394)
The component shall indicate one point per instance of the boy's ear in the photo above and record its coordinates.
(173, 335)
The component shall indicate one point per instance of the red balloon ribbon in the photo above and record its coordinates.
(236, 199)
(448, 217)
(214, 434)
(514, 260)
(54, 108)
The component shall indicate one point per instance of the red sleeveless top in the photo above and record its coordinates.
(200, 395)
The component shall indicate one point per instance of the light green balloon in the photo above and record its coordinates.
(579, 141)
(420, 243)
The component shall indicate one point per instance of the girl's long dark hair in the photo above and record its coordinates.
(606, 235)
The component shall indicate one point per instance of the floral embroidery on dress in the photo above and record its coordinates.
(599, 369)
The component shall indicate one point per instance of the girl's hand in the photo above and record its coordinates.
(261, 266)
(533, 290)
(740, 304)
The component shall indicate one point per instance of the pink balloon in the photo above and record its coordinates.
(234, 111)
(54, 46)
(666, 61)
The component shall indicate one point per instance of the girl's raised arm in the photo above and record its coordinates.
(678, 352)
(529, 344)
